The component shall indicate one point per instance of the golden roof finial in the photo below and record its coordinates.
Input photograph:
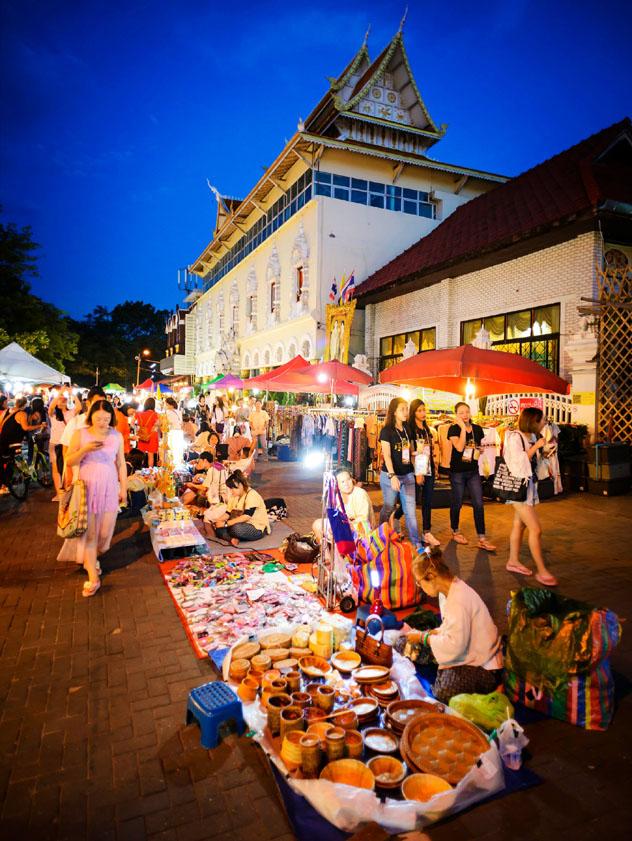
(402, 21)
(366, 36)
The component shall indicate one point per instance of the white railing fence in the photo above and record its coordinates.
(556, 407)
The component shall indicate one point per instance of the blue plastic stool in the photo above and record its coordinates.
(212, 705)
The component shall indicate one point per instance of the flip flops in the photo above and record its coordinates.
(518, 569)
(457, 537)
(547, 580)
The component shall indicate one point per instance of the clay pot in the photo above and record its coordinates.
(275, 687)
(269, 676)
(325, 698)
(291, 719)
(256, 676)
(354, 744)
(247, 689)
(291, 749)
(274, 706)
(335, 743)
(293, 680)
(310, 755)
(312, 714)
(301, 699)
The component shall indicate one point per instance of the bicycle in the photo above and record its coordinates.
(40, 466)
(16, 472)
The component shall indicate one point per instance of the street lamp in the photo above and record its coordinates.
(142, 355)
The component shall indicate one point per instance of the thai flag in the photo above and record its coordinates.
(333, 291)
(348, 288)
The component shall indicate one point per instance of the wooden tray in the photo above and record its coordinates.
(443, 745)
(246, 651)
(275, 640)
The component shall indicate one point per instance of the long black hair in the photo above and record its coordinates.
(101, 406)
(392, 408)
(237, 478)
(412, 422)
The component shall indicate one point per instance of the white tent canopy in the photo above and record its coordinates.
(18, 364)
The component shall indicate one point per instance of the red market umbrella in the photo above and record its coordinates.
(296, 364)
(335, 371)
(488, 372)
(147, 385)
(301, 383)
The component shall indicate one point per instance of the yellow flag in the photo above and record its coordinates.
(158, 392)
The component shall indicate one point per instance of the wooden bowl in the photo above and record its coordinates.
(276, 654)
(380, 741)
(399, 713)
(275, 640)
(423, 787)
(365, 708)
(347, 719)
(443, 745)
(287, 665)
(346, 661)
(269, 676)
(320, 729)
(314, 666)
(371, 674)
(246, 650)
(350, 772)
(260, 662)
(388, 771)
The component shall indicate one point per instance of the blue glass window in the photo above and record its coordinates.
(376, 201)
(322, 189)
(340, 193)
(359, 183)
(358, 196)
(409, 194)
(323, 177)
(341, 180)
(376, 187)
(393, 203)
(410, 207)
(426, 210)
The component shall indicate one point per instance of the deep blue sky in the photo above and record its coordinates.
(113, 114)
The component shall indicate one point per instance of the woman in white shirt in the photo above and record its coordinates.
(521, 451)
(357, 506)
(466, 645)
(174, 418)
(60, 413)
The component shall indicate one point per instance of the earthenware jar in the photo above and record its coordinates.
(291, 719)
(247, 689)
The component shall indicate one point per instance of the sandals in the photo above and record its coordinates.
(90, 589)
(519, 569)
(486, 545)
(547, 580)
(430, 539)
(457, 537)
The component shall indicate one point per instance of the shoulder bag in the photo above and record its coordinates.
(145, 432)
(72, 515)
(510, 488)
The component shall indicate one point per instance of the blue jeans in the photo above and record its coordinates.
(406, 496)
(459, 481)
(424, 496)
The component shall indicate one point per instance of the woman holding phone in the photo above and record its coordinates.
(98, 451)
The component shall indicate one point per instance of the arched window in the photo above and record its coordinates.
(299, 261)
(300, 279)
(273, 276)
(273, 287)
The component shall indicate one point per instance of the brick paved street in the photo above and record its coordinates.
(94, 691)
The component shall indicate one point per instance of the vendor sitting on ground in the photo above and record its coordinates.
(195, 491)
(246, 517)
(357, 505)
(238, 445)
(466, 645)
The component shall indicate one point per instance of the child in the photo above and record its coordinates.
(466, 645)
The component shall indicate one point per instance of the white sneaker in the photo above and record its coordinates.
(431, 540)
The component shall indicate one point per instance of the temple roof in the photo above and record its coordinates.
(383, 91)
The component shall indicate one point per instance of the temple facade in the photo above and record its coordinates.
(354, 187)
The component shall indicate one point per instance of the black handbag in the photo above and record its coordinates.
(510, 488)
(298, 549)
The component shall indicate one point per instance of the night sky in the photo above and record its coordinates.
(113, 114)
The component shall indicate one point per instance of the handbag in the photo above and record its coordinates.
(340, 526)
(145, 432)
(374, 651)
(72, 515)
(300, 550)
(510, 488)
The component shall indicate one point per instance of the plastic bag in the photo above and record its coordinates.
(486, 711)
(511, 740)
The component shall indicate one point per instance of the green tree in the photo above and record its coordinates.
(39, 327)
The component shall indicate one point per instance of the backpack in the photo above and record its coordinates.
(385, 552)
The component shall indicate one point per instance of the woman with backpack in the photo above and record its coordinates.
(148, 430)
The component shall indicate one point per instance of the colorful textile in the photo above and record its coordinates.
(388, 556)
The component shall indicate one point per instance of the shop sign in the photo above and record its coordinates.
(531, 403)
(583, 398)
(513, 407)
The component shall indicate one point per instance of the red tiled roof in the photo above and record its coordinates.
(565, 185)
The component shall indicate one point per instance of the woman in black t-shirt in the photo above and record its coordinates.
(425, 464)
(466, 438)
(397, 478)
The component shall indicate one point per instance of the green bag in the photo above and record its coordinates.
(486, 711)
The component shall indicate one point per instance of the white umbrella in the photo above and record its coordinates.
(18, 364)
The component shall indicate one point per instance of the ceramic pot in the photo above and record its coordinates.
(291, 749)
(291, 719)
(247, 689)
(274, 706)
(335, 743)
(325, 698)
(310, 756)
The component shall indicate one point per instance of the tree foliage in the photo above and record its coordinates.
(39, 327)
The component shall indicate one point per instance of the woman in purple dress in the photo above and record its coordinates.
(98, 451)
